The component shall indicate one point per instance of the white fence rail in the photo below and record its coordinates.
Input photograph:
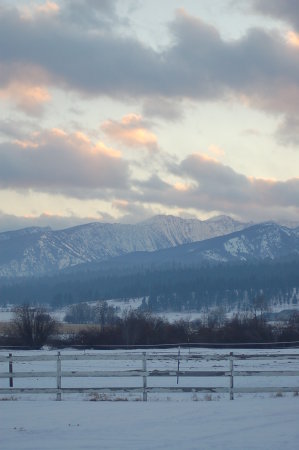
(61, 374)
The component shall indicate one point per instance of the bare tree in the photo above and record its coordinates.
(260, 306)
(33, 326)
(80, 313)
(101, 313)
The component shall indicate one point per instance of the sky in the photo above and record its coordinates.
(117, 110)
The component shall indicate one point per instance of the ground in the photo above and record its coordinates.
(242, 424)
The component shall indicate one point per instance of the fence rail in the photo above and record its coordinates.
(144, 373)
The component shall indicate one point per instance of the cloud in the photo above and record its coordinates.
(286, 10)
(260, 69)
(90, 13)
(131, 131)
(288, 131)
(71, 164)
(208, 185)
(251, 132)
(168, 109)
(16, 129)
(54, 221)
(24, 85)
(293, 38)
(29, 98)
(223, 186)
(58, 162)
(32, 12)
(132, 211)
(216, 151)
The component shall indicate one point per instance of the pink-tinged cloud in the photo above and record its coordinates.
(208, 185)
(293, 38)
(29, 98)
(182, 187)
(60, 162)
(46, 9)
(131, 131)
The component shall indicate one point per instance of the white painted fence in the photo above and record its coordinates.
(60, 374)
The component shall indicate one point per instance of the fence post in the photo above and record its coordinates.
(144, 377)
(58, 395)
(231, 377)
(10, 370)
(178, 371)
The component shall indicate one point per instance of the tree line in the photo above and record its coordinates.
(33, 327)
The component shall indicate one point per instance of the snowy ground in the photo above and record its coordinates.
(264, 424)
(261, 421)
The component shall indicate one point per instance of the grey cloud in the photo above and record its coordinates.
(212, 186)
(90, 13)
(16, 129)
(153, 184)
(133, 212)
(12, 222)
(59, 163)
(168, 109)
(216, 178)
(225, 186)
(99, 63)
(286, 10)
(260, 68)
(288, 131)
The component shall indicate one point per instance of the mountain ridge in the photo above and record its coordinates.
(37, 251)
(266, 241)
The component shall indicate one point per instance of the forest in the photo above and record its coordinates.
(171, 288)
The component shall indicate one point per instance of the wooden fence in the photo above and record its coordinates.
(10, 361)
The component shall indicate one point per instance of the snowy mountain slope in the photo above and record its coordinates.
(38, 251)
(256, 243)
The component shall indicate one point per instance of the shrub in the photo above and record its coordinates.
(32, 326)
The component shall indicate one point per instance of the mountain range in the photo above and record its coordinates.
(159, 240)
(39, 251)
(266, 241)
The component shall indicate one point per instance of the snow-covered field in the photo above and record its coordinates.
(264, 424)
(173, 421)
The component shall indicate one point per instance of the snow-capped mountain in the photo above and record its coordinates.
(38, 251)
(255, 243)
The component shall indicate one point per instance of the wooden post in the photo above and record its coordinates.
(144, 377)
(10, 370)
(231, 378)
(178, 371)
(58, 395)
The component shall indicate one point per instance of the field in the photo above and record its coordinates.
(166, 421)
(245, 424)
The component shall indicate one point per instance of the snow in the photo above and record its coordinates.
(238, 245)
(172, 421)
(237, 425)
